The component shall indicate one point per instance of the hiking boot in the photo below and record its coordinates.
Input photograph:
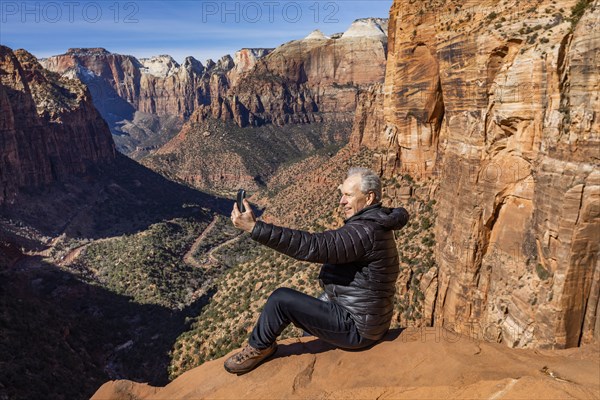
(248, 358)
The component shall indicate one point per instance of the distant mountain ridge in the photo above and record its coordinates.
(286, 84)
(312, 87)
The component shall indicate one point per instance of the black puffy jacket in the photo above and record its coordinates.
(360, 262)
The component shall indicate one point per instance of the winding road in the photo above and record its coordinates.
(188, 258)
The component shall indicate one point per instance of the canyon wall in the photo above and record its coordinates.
(144, 101)
(311, 86)
(309, 80)
(49, 128)
(122, 83)
(498, 104)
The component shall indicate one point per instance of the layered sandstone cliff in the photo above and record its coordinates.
(156, 85)
(317, 80)
(49, 128)
(144, 101)
(498, 104)
(307, 80)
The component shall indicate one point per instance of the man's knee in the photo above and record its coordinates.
(281, 296)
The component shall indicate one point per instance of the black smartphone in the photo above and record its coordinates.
(241, 195)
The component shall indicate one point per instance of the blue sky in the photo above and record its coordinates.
(202, 29)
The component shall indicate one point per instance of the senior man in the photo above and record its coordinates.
(360, 267)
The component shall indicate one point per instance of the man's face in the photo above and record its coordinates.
(353, 200)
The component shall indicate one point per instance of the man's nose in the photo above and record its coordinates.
(343, 200)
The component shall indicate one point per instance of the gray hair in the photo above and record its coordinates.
(369, 181)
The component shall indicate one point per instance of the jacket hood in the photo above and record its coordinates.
(389, 218)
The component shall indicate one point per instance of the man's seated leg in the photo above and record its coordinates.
(323, 297)
(323, 319)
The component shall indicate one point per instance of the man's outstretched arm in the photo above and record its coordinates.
(344, 245)
(347, 244)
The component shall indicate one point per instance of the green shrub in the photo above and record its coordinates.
(578, 10)
(542, 272)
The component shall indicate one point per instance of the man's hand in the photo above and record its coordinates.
(245, 220)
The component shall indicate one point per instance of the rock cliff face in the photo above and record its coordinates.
(140, 99)
(244, 60)
(157, 85)
(426, 364)
(316, 80)
(313, 79)
(498, 104)
(49, 128)
(369, 122)
(308, 80)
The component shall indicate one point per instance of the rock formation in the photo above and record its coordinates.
(49, 128)
(309, 80)
(368, 27)
(498, 104)
(156, 85)
(164, 65)
(316, 80)
(128, 91)
(301, 81)
(425, 364)
(317, 35)
(244, 60)
(369, 122)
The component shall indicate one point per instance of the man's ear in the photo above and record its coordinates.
(370, 198)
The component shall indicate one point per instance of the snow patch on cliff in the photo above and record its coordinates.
(161, 66)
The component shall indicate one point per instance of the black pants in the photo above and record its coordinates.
(323, 319)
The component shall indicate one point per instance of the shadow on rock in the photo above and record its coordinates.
(62, 338)
(317, 346)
